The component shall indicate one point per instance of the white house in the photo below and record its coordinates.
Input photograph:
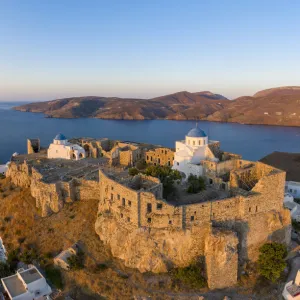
(3, 256)
(4, 168)
(61, 260)
(27, 284)
(293, 188)
(61, 148)
(190, 152)
(294, 207)
(291, 290)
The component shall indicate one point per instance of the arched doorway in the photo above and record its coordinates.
(86, 147)
(80, 155)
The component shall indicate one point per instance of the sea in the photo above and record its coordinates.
(251, 141)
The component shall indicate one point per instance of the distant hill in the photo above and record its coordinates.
(179, 106)
(276, 106)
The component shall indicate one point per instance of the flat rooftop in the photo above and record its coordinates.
(294, 290)
(14, 285)
(30, 275)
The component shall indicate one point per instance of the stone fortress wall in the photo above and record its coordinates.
(227, 232)
(151, 234)
(51, 196)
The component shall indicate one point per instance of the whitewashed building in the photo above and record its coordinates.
(4, 168)
(191, 151)
(61, 148)
(293, 188)
(3, 256)
(27, 284)
(294, 207)
(61, 260)
(291, 290)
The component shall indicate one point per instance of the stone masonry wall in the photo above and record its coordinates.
(150, 234)
(160, 156)
(221, 257)
(157, 225)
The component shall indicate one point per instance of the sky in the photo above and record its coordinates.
(55, 49)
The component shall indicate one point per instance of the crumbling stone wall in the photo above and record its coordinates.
(125, 158)
(151, 234)
(160, 156)
(86, 189)
(19, 174)
(221, 257)
(120, 201)
(51, 197)
(214, 146)
(33, 146)
(236, 224)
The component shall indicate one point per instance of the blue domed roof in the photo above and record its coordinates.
(196, 132)
(60, 137)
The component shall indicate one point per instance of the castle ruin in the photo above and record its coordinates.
(241, 208)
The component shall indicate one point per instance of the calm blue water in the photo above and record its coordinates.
(251, 141)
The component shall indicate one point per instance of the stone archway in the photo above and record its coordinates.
(80, 155)
(87, 150)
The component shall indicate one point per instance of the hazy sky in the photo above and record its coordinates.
(59, 48)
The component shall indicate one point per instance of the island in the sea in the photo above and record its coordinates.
(219, 209)
(276, 106)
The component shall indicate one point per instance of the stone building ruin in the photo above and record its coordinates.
(241, 209)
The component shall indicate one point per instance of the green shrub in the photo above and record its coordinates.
(28, 256)
(191, 276)
(133, 171)
(13, 258)
(54, 276)
(271, 261)
(141, 164)
(76, 261)
(101, 267)
(195, 184)
(296, 225)
(21, 240)
(48, 255)
(166, 175)
(7, 219)
(5, 270)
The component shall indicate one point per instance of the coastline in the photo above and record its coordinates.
(164, 119)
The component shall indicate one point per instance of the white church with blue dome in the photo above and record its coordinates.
(190, 152)
(62, 148)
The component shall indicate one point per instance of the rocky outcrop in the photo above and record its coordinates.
(51, 197)
(151, 249)
(156, 250)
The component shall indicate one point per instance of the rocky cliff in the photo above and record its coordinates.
(156, 250)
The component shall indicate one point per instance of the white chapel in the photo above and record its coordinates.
(62, 148)
(190, 152)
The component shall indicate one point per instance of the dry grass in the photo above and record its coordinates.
(21, 226)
